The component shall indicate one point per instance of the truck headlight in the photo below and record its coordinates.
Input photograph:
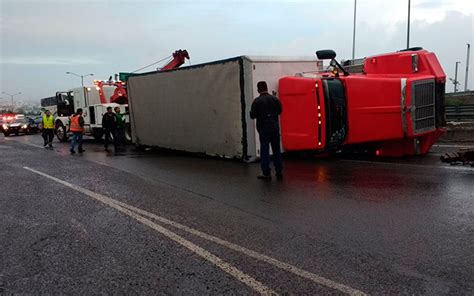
(5, 126)
(24, 126)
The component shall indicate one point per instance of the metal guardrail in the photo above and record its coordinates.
(460, 112)
(460, 94)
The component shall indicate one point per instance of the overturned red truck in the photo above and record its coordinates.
(394, 107)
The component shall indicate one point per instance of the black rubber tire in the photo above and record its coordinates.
(6, 134)
(98, 134)
(61, 132)
(128, 133)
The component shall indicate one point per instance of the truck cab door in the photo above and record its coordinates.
(81, 101)
(303, 118)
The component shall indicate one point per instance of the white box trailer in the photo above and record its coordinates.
(205, 108)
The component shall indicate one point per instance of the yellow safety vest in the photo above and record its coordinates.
(48, 122)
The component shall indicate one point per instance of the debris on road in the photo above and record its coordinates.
(464, 157)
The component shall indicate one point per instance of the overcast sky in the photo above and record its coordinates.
(41, 40)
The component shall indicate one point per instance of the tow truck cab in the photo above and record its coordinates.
(395, 106)
(89, 100)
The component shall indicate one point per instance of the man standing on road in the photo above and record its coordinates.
(48, 129)
(109, 123)
(120, 127)
(266, 109)
(76, 126)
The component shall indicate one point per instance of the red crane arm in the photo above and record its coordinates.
(179, 57)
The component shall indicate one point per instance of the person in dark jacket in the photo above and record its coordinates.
(120, 126)
(266, 109)
(109, 124)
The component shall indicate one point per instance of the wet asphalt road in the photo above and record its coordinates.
(387, 227)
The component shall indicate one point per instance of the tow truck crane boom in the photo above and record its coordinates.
(179, 57)
(120, 94)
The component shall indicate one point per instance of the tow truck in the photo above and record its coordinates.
(394, 107)
(95, 100)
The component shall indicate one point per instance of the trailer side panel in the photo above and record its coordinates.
(196, 109)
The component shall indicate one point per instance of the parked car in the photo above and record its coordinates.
(39, 122)
(20, 126)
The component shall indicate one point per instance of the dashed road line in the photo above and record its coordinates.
(136, 212)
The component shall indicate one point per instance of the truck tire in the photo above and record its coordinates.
(97, 134)
(6, 134)
(61, 132)
(128, 133)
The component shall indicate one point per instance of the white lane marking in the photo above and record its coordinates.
(206, 255)
(261, 257)
(275, 262)
(368, 162)
(34, 145)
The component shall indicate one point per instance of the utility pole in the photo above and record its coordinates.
(81, 76)
(11, 95)
(354, 32)
(455, 81)
(467, 67)
(408, 27)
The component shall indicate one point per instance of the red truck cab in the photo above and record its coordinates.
(394, 107)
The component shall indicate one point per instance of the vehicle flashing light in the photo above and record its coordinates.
(377, 152)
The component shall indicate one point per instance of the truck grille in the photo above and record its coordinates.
(423, 101)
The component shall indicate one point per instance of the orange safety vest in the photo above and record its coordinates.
(75, 127)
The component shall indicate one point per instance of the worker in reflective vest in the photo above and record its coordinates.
(76, 126)
(48, 129)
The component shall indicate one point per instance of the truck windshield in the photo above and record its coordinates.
(65, 103)
(336, 114)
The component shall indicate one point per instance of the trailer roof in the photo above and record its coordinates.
(281, 59)
(257, 59)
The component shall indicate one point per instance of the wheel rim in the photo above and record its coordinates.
(128, 134)
(60, 132)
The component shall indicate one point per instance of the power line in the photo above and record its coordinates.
(169, 61)
(152, 64)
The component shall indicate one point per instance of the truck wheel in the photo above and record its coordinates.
(128, 133)
(97, 134)
(6, 134)
(61, 132)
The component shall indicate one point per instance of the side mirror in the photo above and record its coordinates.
(326, 54)
(329, 54)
